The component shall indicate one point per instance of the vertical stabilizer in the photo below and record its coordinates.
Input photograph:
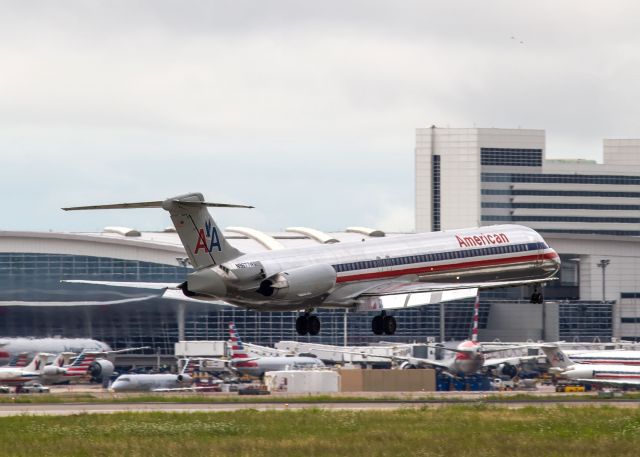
(201, 237)
(80, 365)
(237, 348)
(476, 317)
(19, 360)
(38, 363)
(557, 358)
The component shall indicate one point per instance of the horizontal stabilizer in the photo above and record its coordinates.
(155, 204)
(136, 285)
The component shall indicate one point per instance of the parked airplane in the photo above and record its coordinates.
(88, 365)
(590, 373)
(258, 366)
(376, 275)
(22, 375)
(470, 355)
(10, 347)
(607, 357)
(151, 382)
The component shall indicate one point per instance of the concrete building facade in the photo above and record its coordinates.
(588, 212)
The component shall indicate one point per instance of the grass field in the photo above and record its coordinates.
(453, 431)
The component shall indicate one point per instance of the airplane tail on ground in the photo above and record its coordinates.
(557, 358)
(19, 360)
(38, 363)
(80, 365)
(237, 348)
(239, 356)
(476, 317)
(201, 237)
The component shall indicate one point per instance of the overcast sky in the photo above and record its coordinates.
(306, 110)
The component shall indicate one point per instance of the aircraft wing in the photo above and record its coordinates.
(396, 287)
(182, 389)
(136, 285)
(399, 293)
(509, 360)
(509, 348)
(415, 361)
(610, 382)
(170, 291)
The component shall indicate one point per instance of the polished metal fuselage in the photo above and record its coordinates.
(484, 254)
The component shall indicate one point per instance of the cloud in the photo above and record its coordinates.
(306, 110)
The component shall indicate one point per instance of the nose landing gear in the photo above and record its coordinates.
(383, 324)
(308, 323)
(537, 296)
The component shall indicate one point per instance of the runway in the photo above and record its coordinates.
(65, 409)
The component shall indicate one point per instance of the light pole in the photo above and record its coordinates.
(603, 264)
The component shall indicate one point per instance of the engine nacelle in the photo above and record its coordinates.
(53, 370)
(101, 370)
(183, 379)
(407, 366)
(506, 369)
(299, 283)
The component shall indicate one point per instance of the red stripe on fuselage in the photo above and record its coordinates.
(444, 267)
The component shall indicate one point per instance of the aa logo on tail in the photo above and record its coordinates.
(208, 238)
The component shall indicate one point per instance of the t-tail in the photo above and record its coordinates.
(557, 358)
(38, 363)
(200, 235)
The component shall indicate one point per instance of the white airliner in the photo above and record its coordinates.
(376, 275)
(11, 347)
(151, 382)
(607, 357)
(470, 355)
(590, 373)
(258, 366)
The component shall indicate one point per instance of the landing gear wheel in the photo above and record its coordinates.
(313, 324)
(537, 298)
(302, 325)
(377, 325)
(389, 325)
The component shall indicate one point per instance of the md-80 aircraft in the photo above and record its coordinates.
(376, 275)
(590, 373)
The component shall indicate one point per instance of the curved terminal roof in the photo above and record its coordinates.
(366, 231)
(314, 234)
(124, 231)
(267, 241)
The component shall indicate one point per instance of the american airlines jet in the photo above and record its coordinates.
(590, 373)
(376, 275)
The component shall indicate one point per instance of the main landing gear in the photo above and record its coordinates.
(308, 323)
(537, 296)
(383, 324)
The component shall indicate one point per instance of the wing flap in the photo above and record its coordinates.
(402, 287)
